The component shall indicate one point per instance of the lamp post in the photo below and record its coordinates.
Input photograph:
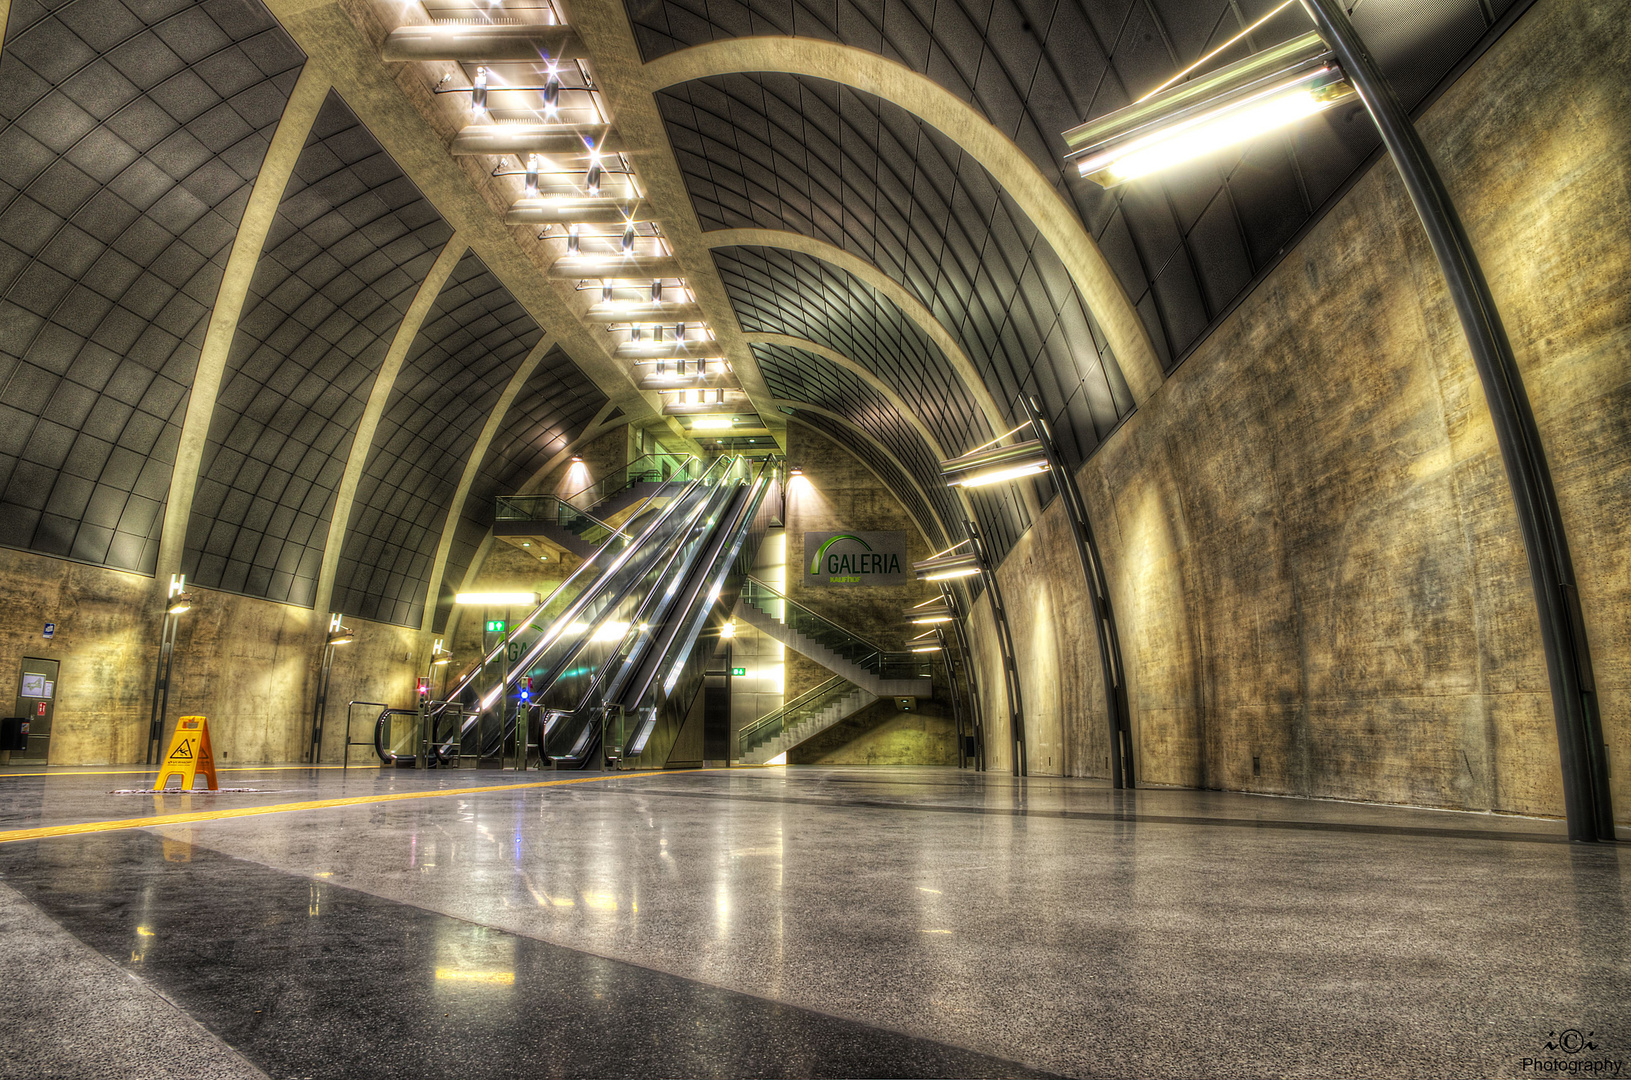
(995, 463)
(1294, 80)
(177, 603)
(950, 565)
(337, 635)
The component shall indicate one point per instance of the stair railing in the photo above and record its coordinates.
(807, 704)
(838, 639)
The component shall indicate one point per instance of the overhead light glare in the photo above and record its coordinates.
(496, 599)
(713, 423)
(997, 476)
(1199, 128)
(955, 572)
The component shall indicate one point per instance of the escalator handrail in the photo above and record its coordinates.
(572, 579)
(590, 594)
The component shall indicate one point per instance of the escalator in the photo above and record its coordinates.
(618, 637)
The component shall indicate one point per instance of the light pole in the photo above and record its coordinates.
(337, 635)
(1297, 79)
(177, 603)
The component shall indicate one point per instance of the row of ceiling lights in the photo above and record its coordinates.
(576, 177)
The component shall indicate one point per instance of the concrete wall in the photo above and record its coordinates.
(1310, 537)
(838, 492)
(249, 665)
(880, 734)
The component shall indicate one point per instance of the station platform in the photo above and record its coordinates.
(787, 921)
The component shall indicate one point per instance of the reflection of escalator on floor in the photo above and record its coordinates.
(617, 638)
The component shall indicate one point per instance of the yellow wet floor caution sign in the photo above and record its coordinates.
(190, 753)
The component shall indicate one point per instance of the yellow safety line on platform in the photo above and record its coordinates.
(284, 808)
(154, 772)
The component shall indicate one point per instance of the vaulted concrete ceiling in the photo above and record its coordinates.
(276, 312)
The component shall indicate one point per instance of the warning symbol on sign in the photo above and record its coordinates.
(190, 754)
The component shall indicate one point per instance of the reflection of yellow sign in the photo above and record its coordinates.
(190, 754)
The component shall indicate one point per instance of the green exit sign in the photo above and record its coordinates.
(495, 626)
(739, 671)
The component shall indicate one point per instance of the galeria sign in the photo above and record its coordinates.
(855, 558)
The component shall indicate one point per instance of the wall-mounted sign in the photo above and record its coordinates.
(738, 671)
(50, 630)
(855, 558)
(495, 626)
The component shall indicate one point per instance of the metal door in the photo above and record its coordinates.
(36, 703)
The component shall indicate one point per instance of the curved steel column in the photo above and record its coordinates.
(1005, 641)
(1562, 631)
(1104, 621)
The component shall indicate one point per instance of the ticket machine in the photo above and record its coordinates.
(36, 703)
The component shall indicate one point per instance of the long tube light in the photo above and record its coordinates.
(1217, 129)
(1261, 93)
(497, 599)
(993, 465)
(948, 567)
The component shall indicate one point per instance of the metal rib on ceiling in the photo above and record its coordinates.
(464, 355)
(130, 137)
(819, 159)
(351, 242)
(799, 375)
(791, 293)
(556, 405)
(1186, 246)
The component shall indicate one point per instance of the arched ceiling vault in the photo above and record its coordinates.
(868, 272)
(881, 463)
(1017, 174)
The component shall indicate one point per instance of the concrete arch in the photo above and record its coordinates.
(310, 91)
(363, 441)
(868, 272)
(967, 126)
(945, 530)
(472, 466)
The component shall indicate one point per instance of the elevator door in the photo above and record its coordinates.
(36, 702)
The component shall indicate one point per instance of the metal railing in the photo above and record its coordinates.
(801, 708)
(823, 631)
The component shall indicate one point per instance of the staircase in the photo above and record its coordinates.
(806, 716)
(867, 666)
(582, 521)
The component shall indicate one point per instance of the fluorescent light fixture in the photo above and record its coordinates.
(343, 636)
(1264, 92)
(995, 464)
(180, 602)
(925, 648)
(478, 93)
(531, 187)
(497, 599)
(931, 620)
(713, 423)
(948, 565)
(552, 95)
(997, 476)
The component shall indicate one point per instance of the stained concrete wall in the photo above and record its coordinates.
(1310, 537)
(838, 492)
(250, 665)
(880, 734)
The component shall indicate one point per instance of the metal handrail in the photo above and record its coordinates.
(345, 751)
(869, 655)
(821, 691)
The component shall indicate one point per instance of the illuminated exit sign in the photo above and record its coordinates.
(739, 671)
(495, 626)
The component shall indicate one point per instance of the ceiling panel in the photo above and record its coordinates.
(130, 138)
(347, 250)
(556, 405)
(1037, 67)
(849, 169)
(469, 348)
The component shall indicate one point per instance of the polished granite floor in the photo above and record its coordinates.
(794, 922)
